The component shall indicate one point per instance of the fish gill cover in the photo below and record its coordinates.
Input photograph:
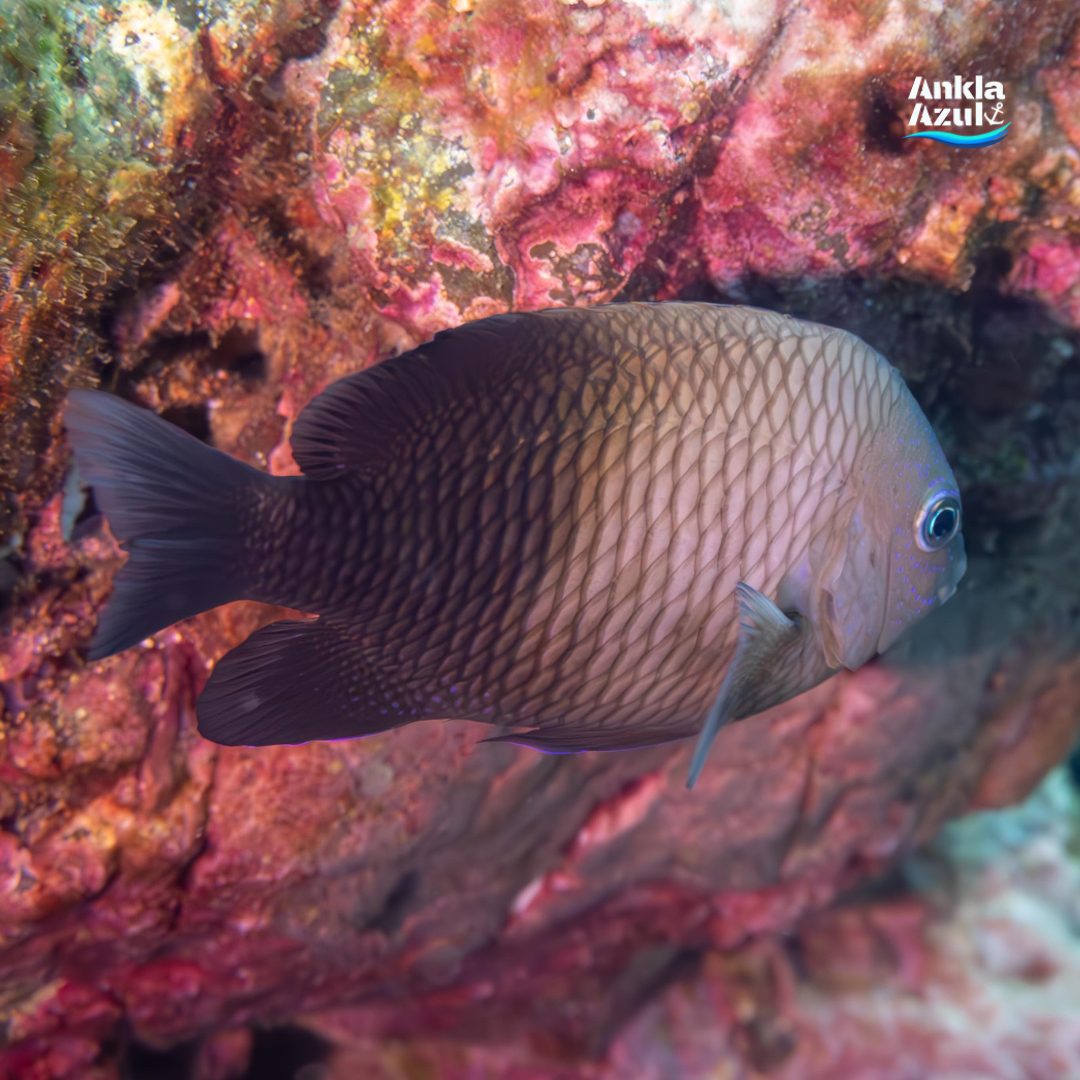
(216, 210)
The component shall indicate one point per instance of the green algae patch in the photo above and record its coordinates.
(96, 103)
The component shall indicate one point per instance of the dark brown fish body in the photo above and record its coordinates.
(517, 559)
(540, 521)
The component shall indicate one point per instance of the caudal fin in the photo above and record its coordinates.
(172, 502)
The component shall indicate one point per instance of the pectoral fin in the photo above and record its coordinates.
(764, 671)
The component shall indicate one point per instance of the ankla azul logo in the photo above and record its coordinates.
(961, 112)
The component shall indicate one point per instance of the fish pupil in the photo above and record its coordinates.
(943, 523)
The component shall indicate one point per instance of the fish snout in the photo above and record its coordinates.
(957, 569)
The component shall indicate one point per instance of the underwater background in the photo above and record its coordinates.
(215, 209)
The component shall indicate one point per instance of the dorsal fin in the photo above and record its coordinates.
(362, 418)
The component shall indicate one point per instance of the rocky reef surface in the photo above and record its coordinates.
(964, 963)
(217, 208)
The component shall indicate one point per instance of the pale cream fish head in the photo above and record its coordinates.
(896, 549)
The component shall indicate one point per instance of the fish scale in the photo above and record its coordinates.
(609, 526)
(568, 625)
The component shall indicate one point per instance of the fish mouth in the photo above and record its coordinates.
(961, 571)
(948, 588)
(959, 567)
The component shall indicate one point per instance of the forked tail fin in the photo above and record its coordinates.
(175, 505)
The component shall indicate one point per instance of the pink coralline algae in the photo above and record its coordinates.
(218, 208)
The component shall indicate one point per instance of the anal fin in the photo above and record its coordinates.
(294, 682)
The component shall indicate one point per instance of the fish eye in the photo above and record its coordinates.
(938, 522)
